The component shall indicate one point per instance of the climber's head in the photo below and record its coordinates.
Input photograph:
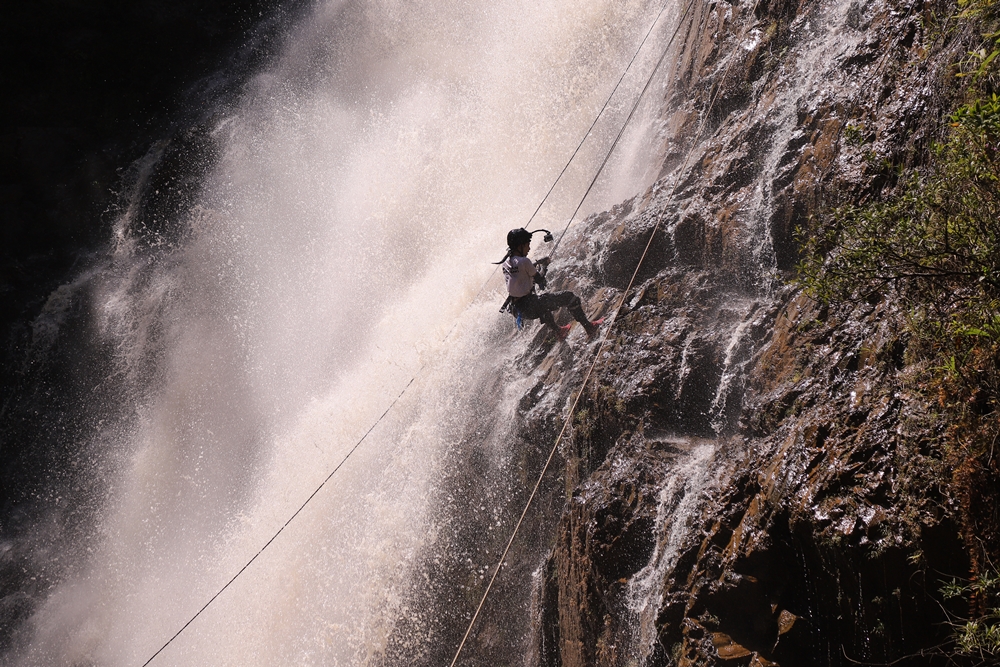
(517, 239)
(519, 242)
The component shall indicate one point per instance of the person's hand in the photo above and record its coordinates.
(544, 260)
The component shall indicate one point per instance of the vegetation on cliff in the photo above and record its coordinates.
(930, 244)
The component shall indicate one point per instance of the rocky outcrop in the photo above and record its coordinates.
(827, 543)
(812, 532)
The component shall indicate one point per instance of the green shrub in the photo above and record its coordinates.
(935, 243)
(979, 635)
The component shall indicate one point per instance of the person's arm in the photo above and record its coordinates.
(538, 276)
(543, 265)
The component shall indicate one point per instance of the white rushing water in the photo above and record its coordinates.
(678, 505)
(362, 186)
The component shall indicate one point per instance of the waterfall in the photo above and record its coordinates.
(264, 303)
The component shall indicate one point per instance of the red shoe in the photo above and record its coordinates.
(563, 331)
(593, 327)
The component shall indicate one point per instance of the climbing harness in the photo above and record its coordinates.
(548, 238)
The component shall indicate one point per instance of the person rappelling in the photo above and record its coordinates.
(522, 275)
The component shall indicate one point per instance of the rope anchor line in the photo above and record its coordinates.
(614, 313)
(444, 340)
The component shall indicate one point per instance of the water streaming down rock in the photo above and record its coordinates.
(277, 275)
(676, 509)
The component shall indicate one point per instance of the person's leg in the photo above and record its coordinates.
(572, 303)
(550, 321)
(534, 307)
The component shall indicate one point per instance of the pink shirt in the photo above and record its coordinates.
(518, 272)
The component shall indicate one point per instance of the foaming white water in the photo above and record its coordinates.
(679, 504)
(358, 193)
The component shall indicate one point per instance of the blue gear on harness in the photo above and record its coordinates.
(508, 307)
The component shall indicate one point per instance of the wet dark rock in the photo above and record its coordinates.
(821, 538)
(605, 536)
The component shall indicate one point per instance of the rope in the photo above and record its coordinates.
(285, 525)
(421, 369)
(604, 337)
(628, 119)
(597, 118)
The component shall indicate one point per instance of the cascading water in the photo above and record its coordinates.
(678, 502)
(338, 227)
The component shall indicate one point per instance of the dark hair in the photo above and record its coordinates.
(518, 237)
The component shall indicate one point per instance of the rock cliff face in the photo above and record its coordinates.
(750, 473)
